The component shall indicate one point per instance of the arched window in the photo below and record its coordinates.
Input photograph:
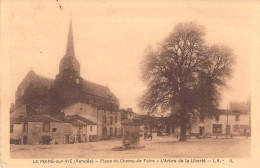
(111, 131)
(104, 119)
(115, 131)
(25, 127)
(111, 120)
(115, 119)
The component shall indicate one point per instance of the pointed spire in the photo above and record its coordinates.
(70, 43)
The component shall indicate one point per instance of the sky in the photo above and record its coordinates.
(110, 38)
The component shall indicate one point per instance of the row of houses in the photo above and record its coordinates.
(79, 123)
(236, 121)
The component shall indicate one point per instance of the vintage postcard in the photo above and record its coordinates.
(130, 83)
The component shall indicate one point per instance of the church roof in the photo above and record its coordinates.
(88, 87)
(70, 42)
(20, 112)
(36, 80)
(99, 90)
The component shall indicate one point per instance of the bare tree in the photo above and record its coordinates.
(184, 75)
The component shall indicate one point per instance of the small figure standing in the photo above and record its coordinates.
(145, 135)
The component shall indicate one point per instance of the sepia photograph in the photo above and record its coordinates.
(111, 81)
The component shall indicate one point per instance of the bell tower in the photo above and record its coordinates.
(66, 88)
(69, 64)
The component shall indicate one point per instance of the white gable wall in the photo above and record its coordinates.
(83, 110)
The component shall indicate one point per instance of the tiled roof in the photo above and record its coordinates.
(81, 120)
(59, 118)
(231, 112)
(78, 123)
(41, 118)
(17, 120)
(74, 121)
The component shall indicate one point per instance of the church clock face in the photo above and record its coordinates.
(77, 81)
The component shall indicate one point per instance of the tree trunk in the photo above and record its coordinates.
(183, 129)
(183, 119)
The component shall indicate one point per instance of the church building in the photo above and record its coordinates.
(67, 95)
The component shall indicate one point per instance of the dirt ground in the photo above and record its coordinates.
(159, 147)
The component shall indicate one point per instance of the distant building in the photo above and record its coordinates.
(128, 114)
(235, 121)
(67, 95)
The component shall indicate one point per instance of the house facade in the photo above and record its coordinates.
(235, 121)
(40, 129)
(83, 130)
(108, 121)
(44, 129)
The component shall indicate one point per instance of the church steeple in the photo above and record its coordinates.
(70, 42)
(69, 65)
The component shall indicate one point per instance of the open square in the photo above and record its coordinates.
(159, 147)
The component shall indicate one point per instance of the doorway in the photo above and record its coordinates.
(46, 140)
(67, 139)
(24, 140)
(201, 131)
(228, 130)
(78, 138)
(104, 132)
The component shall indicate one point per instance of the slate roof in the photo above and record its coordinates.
(45, 81)
(241, 107)
(88, 87)
(36, 80)
(20, 112)
(99, 90)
